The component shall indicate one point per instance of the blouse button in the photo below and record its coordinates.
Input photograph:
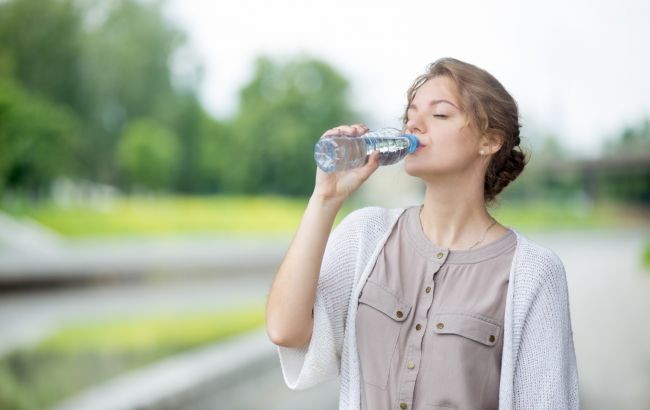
(439, 255)
(399, 313)
(403, 406)
(410, 364)
(418, 327)
(428, 289)
(491, 338)
(440, 325)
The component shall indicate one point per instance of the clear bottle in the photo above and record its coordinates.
(341, 152)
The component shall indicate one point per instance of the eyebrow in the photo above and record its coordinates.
(433, 102)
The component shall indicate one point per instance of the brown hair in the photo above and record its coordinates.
(491, 109)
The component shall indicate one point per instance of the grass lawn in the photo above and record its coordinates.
(169, 215)
(84, 354)
(540, 215)
(260, 215)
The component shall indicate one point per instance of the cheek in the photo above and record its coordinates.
(459, 144)
(449, 148)
(440, 156)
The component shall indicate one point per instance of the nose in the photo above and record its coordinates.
(415, 124)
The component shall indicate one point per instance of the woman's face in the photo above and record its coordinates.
(451, 146)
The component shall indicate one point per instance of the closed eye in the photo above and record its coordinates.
(440, 116)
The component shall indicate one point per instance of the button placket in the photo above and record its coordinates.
(414, 356)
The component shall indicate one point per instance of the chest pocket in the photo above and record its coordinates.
(380, 314)
(463, 357)
(471, 327)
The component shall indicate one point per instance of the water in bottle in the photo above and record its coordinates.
(341, 152)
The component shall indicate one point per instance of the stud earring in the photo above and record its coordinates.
(482, 152)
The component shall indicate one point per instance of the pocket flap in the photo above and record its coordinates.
(471, 327)
(376, 296)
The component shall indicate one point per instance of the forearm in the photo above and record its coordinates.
(289, 318)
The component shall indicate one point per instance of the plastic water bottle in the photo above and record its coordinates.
(341, 152)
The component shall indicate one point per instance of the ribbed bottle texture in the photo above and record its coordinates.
(341, 152)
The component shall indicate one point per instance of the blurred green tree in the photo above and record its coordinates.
(631, 181)
(40, 46)
(148, 155)
(109, 62)
(282, 113)
(126, 74)
(633, 140)
(38, 141)
(215, 147)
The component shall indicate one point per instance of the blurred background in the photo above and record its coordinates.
(156, 158)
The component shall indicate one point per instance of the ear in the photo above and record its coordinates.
(491, 143)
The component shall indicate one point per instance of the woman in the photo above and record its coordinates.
(436, 306)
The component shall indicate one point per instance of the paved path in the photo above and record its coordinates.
(27, 317)
(609, 295)
(63, 260)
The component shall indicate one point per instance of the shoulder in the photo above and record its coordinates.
(538, 263)
(370, 219)
(538, 255)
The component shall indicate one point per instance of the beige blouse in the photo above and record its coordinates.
(430, 322)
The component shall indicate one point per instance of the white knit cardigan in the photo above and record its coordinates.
(538, 369)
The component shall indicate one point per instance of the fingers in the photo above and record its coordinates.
(373, 161)
(349, 130)
(360, 129)
(370, 167)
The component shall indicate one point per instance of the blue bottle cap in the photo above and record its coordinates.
(414, 143)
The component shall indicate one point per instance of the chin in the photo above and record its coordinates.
(416, 168)
(419, 169)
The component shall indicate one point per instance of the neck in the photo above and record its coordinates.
(454, 215)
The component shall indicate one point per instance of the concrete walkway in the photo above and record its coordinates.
(609, 295)
(241, 373)
(27, 317)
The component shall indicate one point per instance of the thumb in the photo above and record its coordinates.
(371, 165)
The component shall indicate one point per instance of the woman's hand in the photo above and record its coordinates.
(336, 187)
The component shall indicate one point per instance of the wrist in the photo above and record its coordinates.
(326, 201)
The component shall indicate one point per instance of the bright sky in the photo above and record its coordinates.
(579, 69)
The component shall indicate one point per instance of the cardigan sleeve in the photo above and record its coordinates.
(546, 374)
(320, 359)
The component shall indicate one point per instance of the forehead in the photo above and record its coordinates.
(437, 88)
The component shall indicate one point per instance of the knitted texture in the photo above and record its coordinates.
(538, 369)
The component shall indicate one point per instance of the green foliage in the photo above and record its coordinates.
(126, 76)
(148, 154)
(40, 44)
(105, 61)
(283, 111)
(631, 183)
(646, 256)
(214, 141)
(89, 353)
(39, 140)
(632, 140)
(108, 62)
(104, 65)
